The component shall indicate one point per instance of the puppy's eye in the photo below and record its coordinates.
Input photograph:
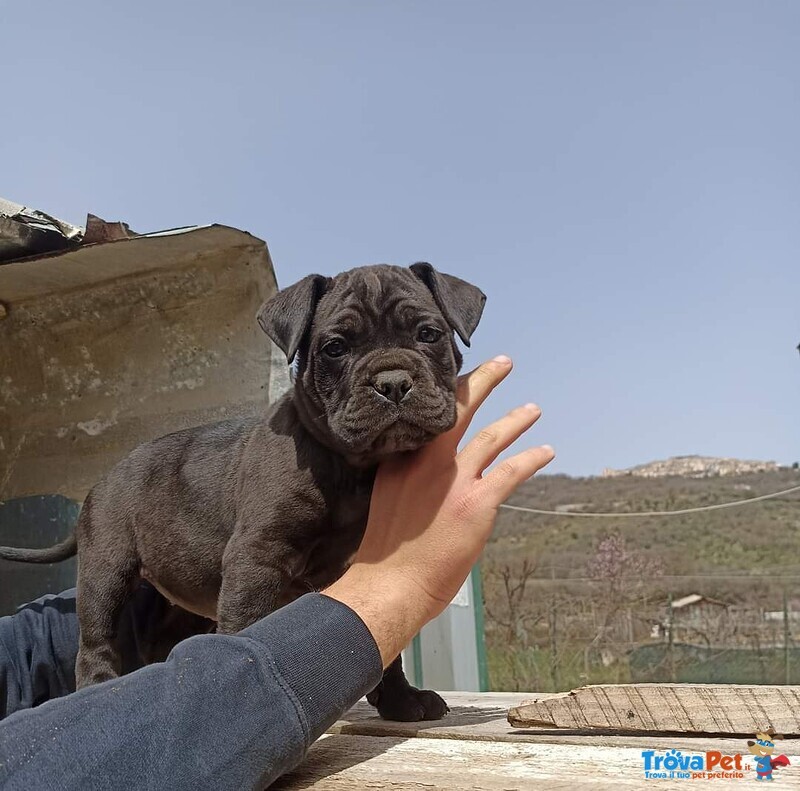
(335, 348)
(428, 334)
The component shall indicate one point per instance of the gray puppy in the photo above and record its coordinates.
(234, 519)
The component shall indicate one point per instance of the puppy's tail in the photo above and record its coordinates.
(66, 549)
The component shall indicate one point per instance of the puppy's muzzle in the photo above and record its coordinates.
(392, 385)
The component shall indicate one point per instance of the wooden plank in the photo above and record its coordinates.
(341, 762)
(671, 708)
(483, 717)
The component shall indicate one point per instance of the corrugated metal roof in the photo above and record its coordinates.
(25, 232)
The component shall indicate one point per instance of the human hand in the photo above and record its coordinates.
(431, 514)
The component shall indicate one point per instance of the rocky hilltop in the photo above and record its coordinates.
(693, 467)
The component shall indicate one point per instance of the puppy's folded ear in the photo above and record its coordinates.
(461, 303)
(287, 317)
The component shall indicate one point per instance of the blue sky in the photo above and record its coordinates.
(621, 178)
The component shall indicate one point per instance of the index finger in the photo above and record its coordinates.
(473, 389)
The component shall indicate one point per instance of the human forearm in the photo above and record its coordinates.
(392, 616)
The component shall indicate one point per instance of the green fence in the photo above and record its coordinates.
(691, 664)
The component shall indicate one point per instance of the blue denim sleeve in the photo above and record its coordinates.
(223, 712)
(39, 643)
(38, 646)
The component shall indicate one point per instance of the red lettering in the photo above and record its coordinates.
(713, 757)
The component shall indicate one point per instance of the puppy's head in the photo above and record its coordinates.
(376, 354)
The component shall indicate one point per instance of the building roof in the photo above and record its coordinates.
(694, 598)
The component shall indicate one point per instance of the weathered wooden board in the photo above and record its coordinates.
(341, 762)
(671, 708)
(483, 717)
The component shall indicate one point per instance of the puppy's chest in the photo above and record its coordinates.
(339, 538)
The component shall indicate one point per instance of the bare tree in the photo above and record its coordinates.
(513, 613)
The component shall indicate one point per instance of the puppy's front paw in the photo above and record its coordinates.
(411, 705)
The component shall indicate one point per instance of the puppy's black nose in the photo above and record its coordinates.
(392, 385)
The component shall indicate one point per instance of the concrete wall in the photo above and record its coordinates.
(114, 344)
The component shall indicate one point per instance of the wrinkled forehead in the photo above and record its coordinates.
(376, 296)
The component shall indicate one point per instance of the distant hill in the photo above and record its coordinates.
(694, 467)
(762, 538)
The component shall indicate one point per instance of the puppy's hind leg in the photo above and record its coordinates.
(107, 568)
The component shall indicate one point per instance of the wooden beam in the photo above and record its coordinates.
(673, 708)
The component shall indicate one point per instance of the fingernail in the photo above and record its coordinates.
(550, 448)
(502, 359)
(532, 407)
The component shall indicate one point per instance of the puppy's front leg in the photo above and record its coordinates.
(254, 575)
(397, 700)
